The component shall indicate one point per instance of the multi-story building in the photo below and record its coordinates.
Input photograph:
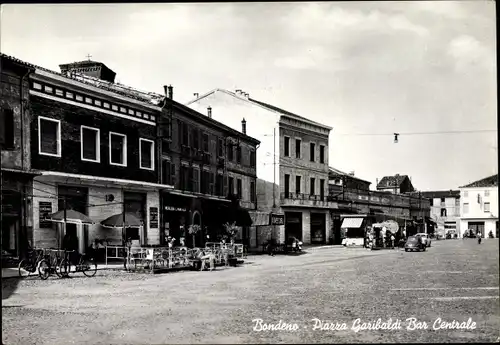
(397, 184)
(293, 155)
(411, 211)
(209, 164)
(17, 175)
(445, 209)
(479, 206)
(94, 143)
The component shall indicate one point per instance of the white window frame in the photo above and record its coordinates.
(98, 144)
(124, 151)
(486, 193)
(37, 86)
(464, 210)
(58, 154)
(152, 154)
(466, 193)
(489, 207)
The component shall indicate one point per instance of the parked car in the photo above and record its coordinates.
(425, 238)
(414, 243)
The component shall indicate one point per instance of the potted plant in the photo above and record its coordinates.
(193, 230)
(231, 230)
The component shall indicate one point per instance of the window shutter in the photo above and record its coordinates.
(225, 182)
(190, 179)
(172, 174)
(212, 183)
(2, 126)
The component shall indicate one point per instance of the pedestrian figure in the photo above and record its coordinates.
(270, 248)
(392, 240)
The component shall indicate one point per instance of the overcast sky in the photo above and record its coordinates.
(359, 67)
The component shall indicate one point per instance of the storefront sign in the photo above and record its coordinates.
(45, 210)
(277, 219)
(177, 209)
(153, 217)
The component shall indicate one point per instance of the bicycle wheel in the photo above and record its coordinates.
(88, 266)
(44, 269)
(64, 268)
(57, 268)
(25, 268)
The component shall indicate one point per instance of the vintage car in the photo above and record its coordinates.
(425, 238)
(414, 243)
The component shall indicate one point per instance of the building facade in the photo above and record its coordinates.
(94, 143)
(17, 175)
(212, 168)
(445, 210)
(292, 166)
(479, 207)
(411, 210)
(397, 184)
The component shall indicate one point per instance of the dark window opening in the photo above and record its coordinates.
(117, 149)
(287, 147)
(146, 154)
(89, 143)
(238, 155)
(297, 184)
(312, 147)
(321, 154)
(49, 136)
(239, 188)
(252, 192)
(298, 146)
(313, 180)
(287, 185)
(205, 143)
(7, 129)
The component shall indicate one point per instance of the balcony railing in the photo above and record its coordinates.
(298, 199)
(302, 196)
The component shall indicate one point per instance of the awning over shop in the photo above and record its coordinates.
(352, 222)
(259, 218)
(240, 216)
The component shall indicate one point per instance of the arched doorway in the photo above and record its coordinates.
(197, 220)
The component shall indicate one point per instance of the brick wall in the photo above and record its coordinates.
(72, 118)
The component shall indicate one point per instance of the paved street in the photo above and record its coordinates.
(453, 280)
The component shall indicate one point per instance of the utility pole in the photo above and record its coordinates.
(274, 180)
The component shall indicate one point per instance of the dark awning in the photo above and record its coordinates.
(238, 215)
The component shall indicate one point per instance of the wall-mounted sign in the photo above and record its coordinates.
(277, 219)
(177, 209)
(153, 217)
(45, 210)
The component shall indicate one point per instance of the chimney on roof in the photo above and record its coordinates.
(246, 95)
(165, 90)
(209, 111)
(238, 91)
(196, 94)
(351, 173)
(376, 180)
(243, 126)
(170, 92)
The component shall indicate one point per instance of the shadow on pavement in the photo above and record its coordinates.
(9, 286)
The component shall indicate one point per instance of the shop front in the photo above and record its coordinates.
(16, 212)
(318, 228)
